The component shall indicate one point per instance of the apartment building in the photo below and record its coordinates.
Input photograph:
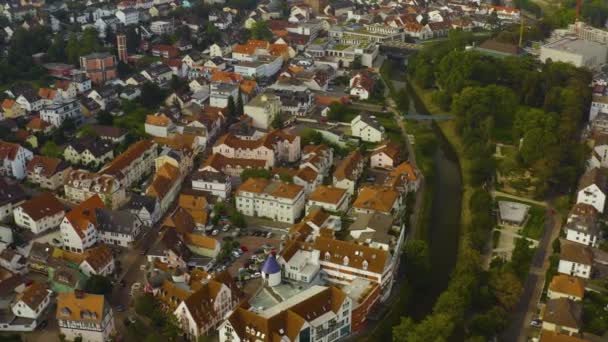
(78, 230)
(47, 172)
(57, 112)
(134, 163)
(271, 147)
(85, 316)
(276, 200)
(39, 214)
(263, 109)
(14, 159)
(99, 67)
(80, 185)
(349, 171)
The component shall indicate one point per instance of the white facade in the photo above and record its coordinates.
(574, 269)
(585, 238)
(58, 112)
(215, 186)
(365, 131)
(15, 163)
(128, 16)
(577, 52)
(161, 27)
(381, 160)
(23, 220)
(599, 104)
(592, 195)
(265, 204)
(263, 109)
(105, 270)
(73, 241)
(22, 309)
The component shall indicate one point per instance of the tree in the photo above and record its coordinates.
(97, 284)
(231, 109)
(357, 63)
(489, 323)
(151, 95)
(506, 287)
(72, 49)
(277, 122)
(87, 131)
(417, 261)
(50, 149)
(239, 104)
(260, 30)
(104, 118)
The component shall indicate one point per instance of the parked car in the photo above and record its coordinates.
(536, 323)
(244, 249)
(268, 235)
(120, 308)
(226, 228)
(256, 275)
(215, 232)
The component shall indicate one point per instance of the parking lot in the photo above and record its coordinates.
(253, 244)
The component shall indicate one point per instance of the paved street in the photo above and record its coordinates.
(526, 308)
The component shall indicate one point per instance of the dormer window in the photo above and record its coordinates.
(345, 261)
(327, 256)
(365, 264)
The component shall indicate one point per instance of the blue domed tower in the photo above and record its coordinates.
(271, 271)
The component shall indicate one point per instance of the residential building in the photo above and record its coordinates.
(12, 261)
(11, 195)
(230, 166)
(117, 227)
(12, 109)
(146, 208)
(386, 156)
(80, 185)
(564, 316)
(32, 302)
(279, 201)
(160, 27)
(98, 260)
(99, 67)
(57, 112)
(128, 16)
(592, 189)
(271, 147)
(565, 286)
(367, 128)
(134, 163)
(14, 160)
(165, 186)
(371, 199)
(88, 151)
(78, 226)
(263, 109)
(160, 74)
(47, 172)
(584, 229)
(575, 259)
(318, 313)
(330, 198)
(374, 230)
(159, 125)
(361, 85)
(84, 315)
(39, 214)
(320, 158)
(215, 183)
(221, 92)
(115, 135)
(349, 171)
(599, 104)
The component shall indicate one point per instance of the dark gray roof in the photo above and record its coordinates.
(116, 221)
(40, 251)
(95, 146)
(11, 193)
(138, 202)
(209, 176)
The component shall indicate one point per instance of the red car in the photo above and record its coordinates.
(244, 249)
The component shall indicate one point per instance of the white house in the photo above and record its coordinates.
(118, 228)
(349, 170)
(330, 198)
(385, 156)
(14, 160)
(263, 109)
(159, 125)
(592, 189)
(40, 213)
(599, 104)
(320, 158)
(361, 85)
(215, 183)
(84, 315)
(599, 153)
(32, 301)
(583, 229)
(367, 128)
(575, 260)
(128, 16)
(57, 112)
(99, 260)
(146, 208)
(279, 201)
(220, 93)
(78, 226)
(565, 286)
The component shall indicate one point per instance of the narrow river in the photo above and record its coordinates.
(443, 232)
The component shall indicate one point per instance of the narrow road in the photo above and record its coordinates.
(527, 306)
